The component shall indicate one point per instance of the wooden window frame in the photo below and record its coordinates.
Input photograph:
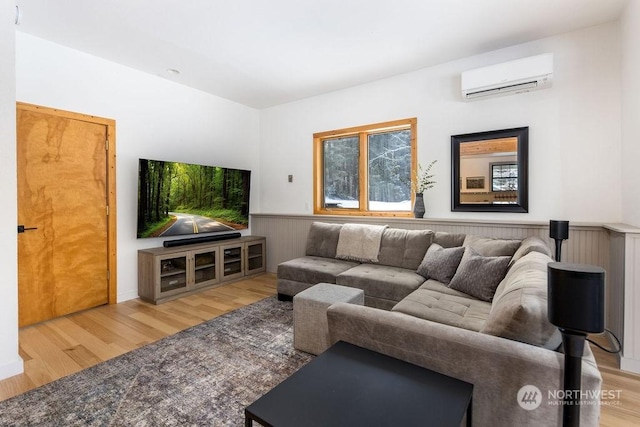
(362, 132)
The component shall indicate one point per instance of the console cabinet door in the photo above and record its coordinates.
(205, 267)
(255, 252)
(172, 275)
(232, 261)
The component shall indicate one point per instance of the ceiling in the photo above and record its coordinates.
(262, 53)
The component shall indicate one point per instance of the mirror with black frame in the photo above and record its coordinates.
(489, 171)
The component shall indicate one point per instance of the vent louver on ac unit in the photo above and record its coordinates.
(521, 75)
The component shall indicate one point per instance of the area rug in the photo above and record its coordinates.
(203, 376)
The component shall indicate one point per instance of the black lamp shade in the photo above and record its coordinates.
(576, 297)
(559, 229)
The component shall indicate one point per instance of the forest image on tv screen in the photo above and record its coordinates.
(181, 198)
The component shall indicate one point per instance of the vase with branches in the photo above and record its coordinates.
(424, 178)
(423, 181)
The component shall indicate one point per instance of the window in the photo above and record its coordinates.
(504, 177)
(365, 170)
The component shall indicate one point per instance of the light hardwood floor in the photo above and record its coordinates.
(62, 346)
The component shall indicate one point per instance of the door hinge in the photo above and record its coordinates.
(106, 144)
(107, 210)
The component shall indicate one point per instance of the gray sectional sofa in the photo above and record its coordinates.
(470, 307)
(385, 283)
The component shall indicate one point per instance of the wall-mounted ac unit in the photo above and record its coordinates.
(521, 75)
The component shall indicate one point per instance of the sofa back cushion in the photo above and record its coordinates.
(404, 248)
(322, 239)
(519, 307)
(531, 244)
(486, 246)
(448, 240)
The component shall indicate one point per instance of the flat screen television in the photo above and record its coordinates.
(177, 199)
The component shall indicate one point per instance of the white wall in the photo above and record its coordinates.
(10, 362)
(631, 114)
(155, 118)
(574, 129)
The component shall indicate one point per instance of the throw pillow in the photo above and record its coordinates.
(479, 276)
(440, 263)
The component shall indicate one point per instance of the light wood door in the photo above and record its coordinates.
(63, 262)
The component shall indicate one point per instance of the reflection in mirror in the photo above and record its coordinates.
(489, 171)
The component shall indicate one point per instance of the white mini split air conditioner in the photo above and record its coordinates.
(521, 75)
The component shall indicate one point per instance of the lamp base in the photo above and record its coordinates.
(573, 343)
(558, 249)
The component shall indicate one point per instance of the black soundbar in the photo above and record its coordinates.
(203, 239)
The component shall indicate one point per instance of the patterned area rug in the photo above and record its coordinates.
(203, 376)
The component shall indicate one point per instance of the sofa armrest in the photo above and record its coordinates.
(497, 367)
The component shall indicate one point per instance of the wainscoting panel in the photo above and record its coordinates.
(627, 246)
(614, 291)
(286, 237)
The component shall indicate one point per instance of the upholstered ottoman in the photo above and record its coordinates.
(310, 330)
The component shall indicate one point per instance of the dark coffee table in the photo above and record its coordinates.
(350, 386)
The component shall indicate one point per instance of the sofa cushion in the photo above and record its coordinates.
(448, 240)
(434, 285)
(492, 247)
(312, 269)
(381, 281)
(322, 239)
(519, 308)
(438, 303)
(404, 248)
(478, 275)
(530, 244)
(440, 263)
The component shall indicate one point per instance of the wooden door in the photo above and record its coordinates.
(63, 199)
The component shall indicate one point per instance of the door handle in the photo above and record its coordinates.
(22, 228)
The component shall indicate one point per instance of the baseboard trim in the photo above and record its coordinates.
(126, 296)
(12, 368)
(630, 365)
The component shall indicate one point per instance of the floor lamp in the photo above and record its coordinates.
(558, 231)
(576, 307)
